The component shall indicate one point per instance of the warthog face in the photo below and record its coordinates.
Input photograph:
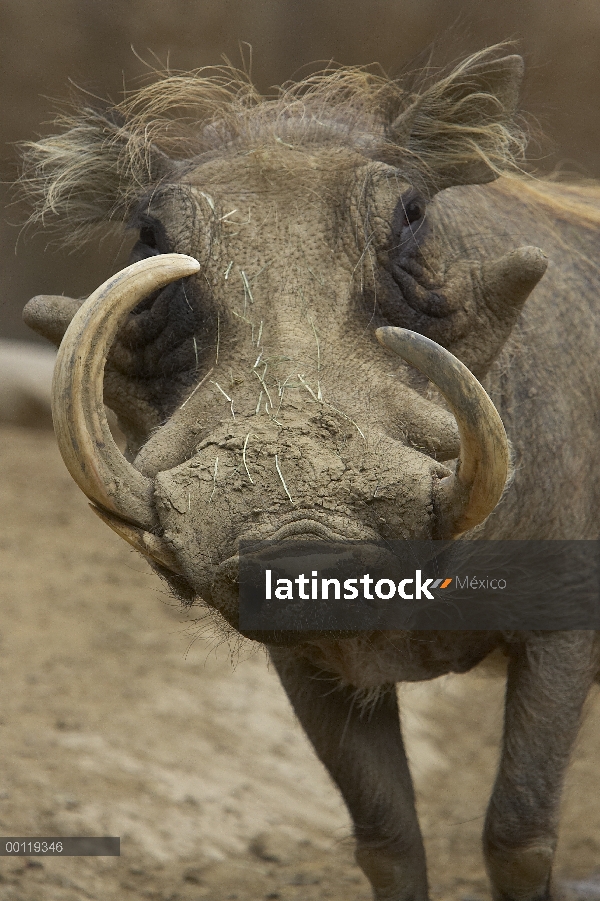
(241, 347)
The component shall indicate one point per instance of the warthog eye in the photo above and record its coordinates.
(150, 243)
(413, 211)
(408, 224)
(148, 237)
(408, 221)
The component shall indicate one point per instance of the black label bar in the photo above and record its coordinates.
(316, 586)
(58, 846)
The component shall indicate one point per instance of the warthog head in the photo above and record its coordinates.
(287, 266)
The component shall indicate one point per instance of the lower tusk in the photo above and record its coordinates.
(466, 498)
(146, 543)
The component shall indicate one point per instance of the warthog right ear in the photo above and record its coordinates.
(91, 173)
(461, 130)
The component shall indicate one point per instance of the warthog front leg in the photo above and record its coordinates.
(364, 753)
(548, 680)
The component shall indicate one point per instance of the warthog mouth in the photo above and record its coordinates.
(315, 525)
(226, 587)
(243, 584)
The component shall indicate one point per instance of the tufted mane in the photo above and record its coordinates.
(105, 158)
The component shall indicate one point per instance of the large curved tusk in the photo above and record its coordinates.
(146, 543)
(83, 435)
(466, 498)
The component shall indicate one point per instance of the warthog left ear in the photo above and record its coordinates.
(461, 130)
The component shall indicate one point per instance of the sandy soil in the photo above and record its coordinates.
(121, 715)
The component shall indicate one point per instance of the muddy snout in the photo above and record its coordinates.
(250, 478)
(254, 481)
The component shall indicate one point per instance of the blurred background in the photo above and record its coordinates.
(45, 46)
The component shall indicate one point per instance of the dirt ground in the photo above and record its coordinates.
(121, 715)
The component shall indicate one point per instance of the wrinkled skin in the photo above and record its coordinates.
(303, 253)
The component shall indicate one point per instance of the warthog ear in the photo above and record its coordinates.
(461, 130)
(91, 173)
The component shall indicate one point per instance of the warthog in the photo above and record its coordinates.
(297, 258)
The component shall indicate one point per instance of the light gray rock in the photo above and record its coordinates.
(25, 379)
